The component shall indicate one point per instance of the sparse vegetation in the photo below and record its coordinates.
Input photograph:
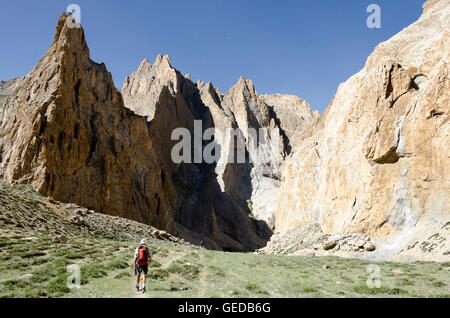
(364, 289)
(31, 265)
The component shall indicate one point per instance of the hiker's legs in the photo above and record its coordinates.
(144, 278)
(138, 278)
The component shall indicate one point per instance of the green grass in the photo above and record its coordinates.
(365, 290)
(187, 270)
(106, 266)
(159, 274)
(222, 274)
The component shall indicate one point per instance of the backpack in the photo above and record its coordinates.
(142, 257)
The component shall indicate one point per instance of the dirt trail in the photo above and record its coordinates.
(202, 278)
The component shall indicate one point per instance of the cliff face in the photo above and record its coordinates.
(225, 189)
(377, 162)
(66, 130)
(169, 100)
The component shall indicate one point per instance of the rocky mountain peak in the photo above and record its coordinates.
(145, 66)
(70, 36)
(141, 90)
(163, 59)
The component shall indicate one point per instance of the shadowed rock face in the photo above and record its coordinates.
(377, 161)
(169, 100)
(250, 187)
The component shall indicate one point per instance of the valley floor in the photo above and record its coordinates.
(32, 265)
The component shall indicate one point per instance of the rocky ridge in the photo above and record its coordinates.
(67, 131)
(239, 184)
(373, 168)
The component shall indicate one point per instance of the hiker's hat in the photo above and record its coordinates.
(142, 242)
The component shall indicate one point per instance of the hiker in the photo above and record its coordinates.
(142, 257)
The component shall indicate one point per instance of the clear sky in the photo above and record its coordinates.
(305, 48)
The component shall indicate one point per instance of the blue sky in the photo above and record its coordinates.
(305, 48)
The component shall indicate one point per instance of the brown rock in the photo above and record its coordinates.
(329, 245)
(78, 220)
(361, 167)
(369, 247)
(59, 239)
(305, 252)
(67, 132)
(359, 243)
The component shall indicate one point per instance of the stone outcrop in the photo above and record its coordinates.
(244, 188)
(65, 130)
(7, 87)
(170, 100)
(258, 183)
(377, 160)
(294, 115)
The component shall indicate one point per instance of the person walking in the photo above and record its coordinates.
(142, 258)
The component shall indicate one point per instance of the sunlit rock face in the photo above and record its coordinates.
(377, 161)
(66, 131)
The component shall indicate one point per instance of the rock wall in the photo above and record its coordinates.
(236, 185)
(377, 161)
(66, 130)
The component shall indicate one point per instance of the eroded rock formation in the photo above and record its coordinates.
(225, 189)
(66, 130)
(377, 162)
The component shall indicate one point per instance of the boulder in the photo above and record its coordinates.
(78, 220)
(305, 252)
(359, 243)
(27, 276)
(59, 239)
(330, 244)
(369, 247)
